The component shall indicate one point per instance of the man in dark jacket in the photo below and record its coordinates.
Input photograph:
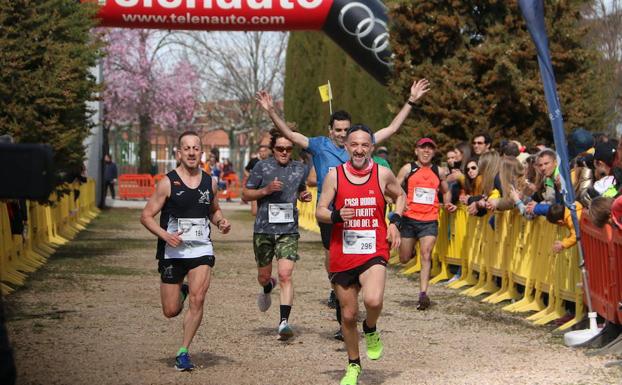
(110, 174)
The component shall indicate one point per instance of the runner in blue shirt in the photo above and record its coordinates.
(328, 151)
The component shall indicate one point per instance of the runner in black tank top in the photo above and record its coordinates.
(187, 201)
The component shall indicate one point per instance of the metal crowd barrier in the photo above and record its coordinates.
(46, 228)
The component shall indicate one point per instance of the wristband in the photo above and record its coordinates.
(412, 104)
(395, 218)
(335, 217)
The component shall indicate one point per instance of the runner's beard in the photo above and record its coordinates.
(359, 163)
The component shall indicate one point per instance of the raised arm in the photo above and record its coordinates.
(417, 90)
(265, 101)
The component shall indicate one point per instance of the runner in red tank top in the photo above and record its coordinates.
(359, 247)
(422, 183)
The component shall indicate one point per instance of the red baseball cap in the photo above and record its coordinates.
(423, 141)
(616, 212)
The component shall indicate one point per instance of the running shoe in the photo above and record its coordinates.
(264, 300)
(352, 375)
(454, 278)
(424, 302)
(332, 300)
(374, 345)
(285, 331)
(338, 335)
(183, 363)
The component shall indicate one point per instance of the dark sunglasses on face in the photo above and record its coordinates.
(283, 149)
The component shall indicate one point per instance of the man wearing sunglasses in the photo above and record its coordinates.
(329, 152)
(353, 201)
(481, 143)
(275, 183)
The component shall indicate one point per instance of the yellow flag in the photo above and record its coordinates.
(325, 92)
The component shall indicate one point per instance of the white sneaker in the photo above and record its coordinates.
(265, 300)
(285, 331)
(454, 278)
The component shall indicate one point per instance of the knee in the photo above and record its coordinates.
(349, 316)
(196, 301)
(426, 256)
(171, 312)
(405, 255)
(285, 277)
(373, 303)
(263, 278)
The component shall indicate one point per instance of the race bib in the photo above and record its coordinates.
(193, 229)
(280, 212)
(359, 241)
(424, 195)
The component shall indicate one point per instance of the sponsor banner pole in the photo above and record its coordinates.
(533, 12)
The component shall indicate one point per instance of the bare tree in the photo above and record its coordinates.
(233, 66)
(605, 22)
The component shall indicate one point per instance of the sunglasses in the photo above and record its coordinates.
(283, 149)
(472, 168)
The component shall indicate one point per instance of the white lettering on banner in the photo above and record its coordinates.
(287, 4)
(222, 4)
(127, 3)
(259, 4)
(309, 4)
(169, 3)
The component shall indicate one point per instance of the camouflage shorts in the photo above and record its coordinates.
(267, 246)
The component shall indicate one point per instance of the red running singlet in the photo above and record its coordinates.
(356, 241)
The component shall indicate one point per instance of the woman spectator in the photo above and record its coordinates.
(511, 176)
(485, 182)
(472, 171)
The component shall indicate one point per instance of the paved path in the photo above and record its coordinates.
(92, 316)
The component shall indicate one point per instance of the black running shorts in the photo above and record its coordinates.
(175, 269)
(351, 277)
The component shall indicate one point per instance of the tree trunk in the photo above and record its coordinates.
(234, 151)
(144, 144)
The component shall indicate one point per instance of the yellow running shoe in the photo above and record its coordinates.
(352, 375)
(374, 345)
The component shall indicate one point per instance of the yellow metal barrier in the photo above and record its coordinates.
(46, 227)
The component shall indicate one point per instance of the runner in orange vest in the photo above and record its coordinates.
(422, 182)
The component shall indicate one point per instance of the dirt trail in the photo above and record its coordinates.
(92, 316)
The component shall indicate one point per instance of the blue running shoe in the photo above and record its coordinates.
(183, 363)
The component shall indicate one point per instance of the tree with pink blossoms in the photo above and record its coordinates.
(144, 88)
